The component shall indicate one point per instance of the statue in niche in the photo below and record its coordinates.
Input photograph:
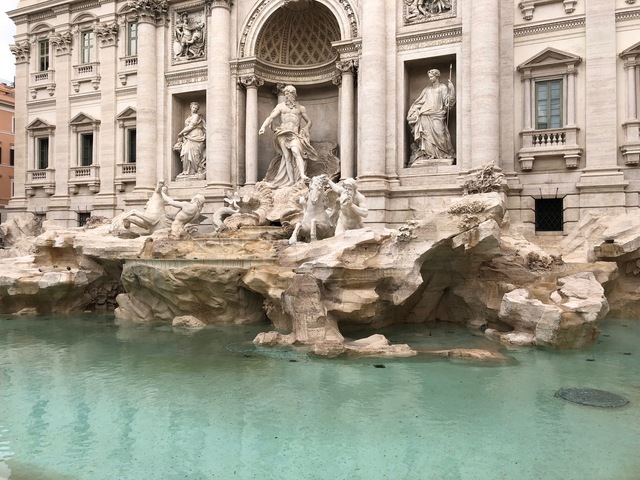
(291, 141)
(189, 212)
(352, 205)
(189, 38)
(191, 145)
(428, 118)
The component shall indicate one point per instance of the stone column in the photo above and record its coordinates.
(372, 89)
(107, 36)
(23, 162)
(219, 95)
(485, 83)
(251, 83)
(147, 99)
(60, 44)
(347, 117)
(632, 101)
(527, 101)
(602, 183)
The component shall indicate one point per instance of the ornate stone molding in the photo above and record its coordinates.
(527, 7)
(190, 76)
(416, 11)
(61, 41)
(549, 27)
(251, 81)
(628, 15)
(347, 66)
(107, 33)
(149, 11)
(22, 51)
(263, 4)
(85, 5)
(211, 4)
(420, 40)
(337, 79)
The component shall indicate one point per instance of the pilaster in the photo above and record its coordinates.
(251, 83)
(219, 95)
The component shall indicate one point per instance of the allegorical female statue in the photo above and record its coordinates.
(428, 119)
(191, 145)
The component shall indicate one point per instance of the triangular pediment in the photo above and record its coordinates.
(39, 124)
(128, 113)
(550, 57)
(631, 51)
(83, 119)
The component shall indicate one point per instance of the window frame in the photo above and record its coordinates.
(86, 50)
(548, 82)
(44, 58)
(39, 158)
(132, 39)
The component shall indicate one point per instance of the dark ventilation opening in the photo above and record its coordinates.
(549, 214)
(83, 217)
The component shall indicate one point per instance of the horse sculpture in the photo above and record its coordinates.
(153, 218)
(317, 222)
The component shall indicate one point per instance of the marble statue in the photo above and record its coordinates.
(191, 145)
(151, 219)
(428, 118)
(189, 212)
(316, 222)
(291, 141)
(352, 205)
(189, 38)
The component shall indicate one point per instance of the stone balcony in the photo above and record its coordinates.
(42, 80)
(128, 66)
(87, 72)
(552, 142)
(88, 175)
(125, 173)
(631, 147)
(43, 178)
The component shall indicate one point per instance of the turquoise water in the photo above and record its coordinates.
(81, 398)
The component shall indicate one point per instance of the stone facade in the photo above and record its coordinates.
(547, 90)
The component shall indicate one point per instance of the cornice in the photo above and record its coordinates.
(630, 14)
(411, 41)
(186, 76)
(577, 22)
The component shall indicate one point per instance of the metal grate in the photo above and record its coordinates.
(83, 217)
(549, 214)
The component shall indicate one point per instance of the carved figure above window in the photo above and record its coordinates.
(189, 37)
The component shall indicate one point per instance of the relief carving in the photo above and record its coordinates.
(417, 11)
(189, 37)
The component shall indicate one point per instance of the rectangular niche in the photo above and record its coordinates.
(435, 152)
(180, 111)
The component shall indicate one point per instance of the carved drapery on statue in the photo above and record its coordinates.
(191, 145)
(428, 119)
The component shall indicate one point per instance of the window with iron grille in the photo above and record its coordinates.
(549, 214)
(83, 218)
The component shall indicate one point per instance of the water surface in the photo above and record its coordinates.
(84, 399)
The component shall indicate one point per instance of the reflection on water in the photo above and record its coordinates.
(81, 398)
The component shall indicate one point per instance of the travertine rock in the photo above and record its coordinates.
(188, 321)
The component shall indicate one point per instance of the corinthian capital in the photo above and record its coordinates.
(347, 66)
(211, 4)
(21, 50)
(149, 10)
(107, 33)
(251, 81)
(61, 41)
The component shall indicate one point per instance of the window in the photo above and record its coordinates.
(86, 149)
(13, 124)
(43, 55)
(86, 47)
(132, 39)
(0, 154)
(131, 145)
(42, 159)
(549, 215)
(549, 104)
(83, 218)
(12, 157)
